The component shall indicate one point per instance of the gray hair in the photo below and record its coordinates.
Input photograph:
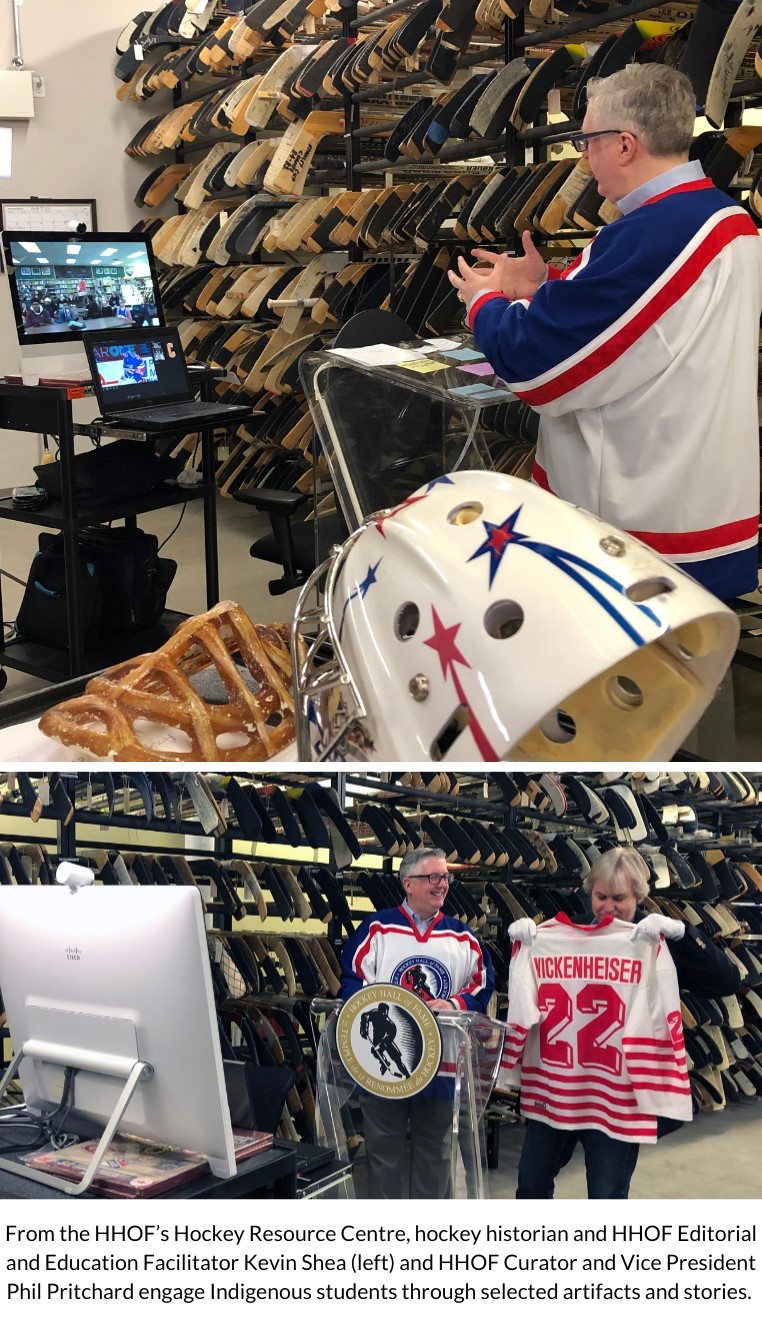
(414, 858)
(620, 867)
(653, 101)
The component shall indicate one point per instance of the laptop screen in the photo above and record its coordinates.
(137, 368)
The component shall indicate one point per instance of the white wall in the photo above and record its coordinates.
(74, 146)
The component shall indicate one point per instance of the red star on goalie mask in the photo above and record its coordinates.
(443, 642)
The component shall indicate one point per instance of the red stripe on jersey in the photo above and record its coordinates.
(364, 948)
(591, 1097)
(536, 1074)
(652, 1058)
(648, 1129)
(683, 279)
(564, 274)
(481, 301)
(696, 186)
(647, 1042)
(670, 1079)
(682, 1090)
(696, 541)
(540, 477)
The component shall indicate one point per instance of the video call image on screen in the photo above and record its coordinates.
(136, 371)
(65, 283)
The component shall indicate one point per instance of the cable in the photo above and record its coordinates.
(171, 533)
(44, 1125)
(55, 1134)
(11, 577)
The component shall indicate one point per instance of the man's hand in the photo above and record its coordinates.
(471, 281)
(519, 276)
(655, 926)
(514, 276)
(440, 1004)
(523, 931)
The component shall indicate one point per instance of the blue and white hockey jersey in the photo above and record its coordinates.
(641, 358)
(447, 961)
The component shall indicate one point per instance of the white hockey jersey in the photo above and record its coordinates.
(641, 359)
(595, 1035)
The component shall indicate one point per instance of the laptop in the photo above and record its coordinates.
(140, 378)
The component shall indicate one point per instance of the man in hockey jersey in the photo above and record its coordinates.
(641, 355)
(454, 963)
(617, 882)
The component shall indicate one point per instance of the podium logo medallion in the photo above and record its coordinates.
(388, 1041)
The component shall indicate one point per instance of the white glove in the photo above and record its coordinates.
(655, 926)
(523, 931)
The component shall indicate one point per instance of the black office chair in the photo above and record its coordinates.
(298, 546)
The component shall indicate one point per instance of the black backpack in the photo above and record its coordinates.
(123, 586)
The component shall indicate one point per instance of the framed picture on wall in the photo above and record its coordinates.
(49, 215)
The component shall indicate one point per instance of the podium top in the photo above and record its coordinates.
(450, 370)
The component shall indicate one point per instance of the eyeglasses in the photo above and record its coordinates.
(431, 878)
(581, 141)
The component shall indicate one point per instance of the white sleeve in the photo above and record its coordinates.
(523, 1012)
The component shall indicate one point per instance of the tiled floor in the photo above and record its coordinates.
(716, 1156)
(731, 731)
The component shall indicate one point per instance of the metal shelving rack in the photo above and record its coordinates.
(41, 410)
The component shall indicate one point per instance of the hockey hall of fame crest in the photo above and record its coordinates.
(388, 1041)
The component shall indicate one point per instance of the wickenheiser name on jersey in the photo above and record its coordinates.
(611, 969)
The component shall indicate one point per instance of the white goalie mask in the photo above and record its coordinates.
(484, 619)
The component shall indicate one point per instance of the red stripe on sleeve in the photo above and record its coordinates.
(734, 226)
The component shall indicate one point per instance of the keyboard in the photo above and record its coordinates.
(309, 1157)
(172, 411)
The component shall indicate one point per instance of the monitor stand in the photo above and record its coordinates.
(131, 1071)
(64, 361)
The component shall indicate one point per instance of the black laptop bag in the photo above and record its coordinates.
(109, 474)
(123, 586)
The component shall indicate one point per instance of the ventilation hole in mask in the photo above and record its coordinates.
(456, 723)
(559, 727)
(625, 692)
(406, 622)
(503, 619)
(649, 589)
(685, 654)
(464, 514)
(275, 719)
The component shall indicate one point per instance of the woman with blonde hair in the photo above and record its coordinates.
(616, 885)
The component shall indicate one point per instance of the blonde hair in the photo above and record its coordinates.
(622, 866)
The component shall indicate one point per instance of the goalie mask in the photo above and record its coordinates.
(485, 619)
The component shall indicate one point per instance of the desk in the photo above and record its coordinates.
(267, 1174)
(22, 742)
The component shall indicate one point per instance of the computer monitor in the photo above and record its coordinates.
(103, 978)
(64, 284)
